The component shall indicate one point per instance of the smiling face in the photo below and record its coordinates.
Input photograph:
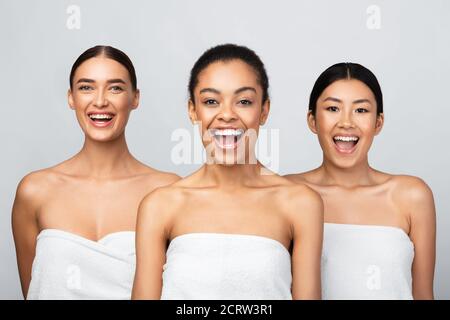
(102, 97)
(228, 104)
(346, 122)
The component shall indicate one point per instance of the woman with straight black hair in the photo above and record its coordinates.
(74, 223)
(379, 231)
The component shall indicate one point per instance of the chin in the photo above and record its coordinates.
(229, 160)
(102, 136)
(347, 163)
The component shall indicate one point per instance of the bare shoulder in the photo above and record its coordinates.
(162, 203)
(303, 177)
(415, 196)
(36, 184)
(160, 178)
(31, 193)
(298, 200)
(169, 196)
(293, 191)
(300, 192)
(411, 189)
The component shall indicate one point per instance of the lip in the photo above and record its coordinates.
(226, 127)
(230, 146)
(345, 151)
(101, 124)
(345, 135)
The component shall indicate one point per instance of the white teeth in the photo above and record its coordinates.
(346, 139)
(100, 116)
(228, 132)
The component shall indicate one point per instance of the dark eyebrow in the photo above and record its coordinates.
(362, 101)
(210, 90)
(109, 81)
(235, 92)
(85, 80)
(244, 89)
(116, 81)
(354, 102)
(332, 99)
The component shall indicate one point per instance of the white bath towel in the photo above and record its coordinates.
(366, 262)
(226, 266)
(68, 266)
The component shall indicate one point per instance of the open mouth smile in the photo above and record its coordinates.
(227, 138)
(101, 120)
(345, 143)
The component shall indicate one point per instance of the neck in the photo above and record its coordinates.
(358, 175)
(105, 159)
(232, 175)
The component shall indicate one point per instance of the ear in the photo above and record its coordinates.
(70, 99)
(379, 124)
(135, 102)
(311, 119)
(264, 112)
(191, 111)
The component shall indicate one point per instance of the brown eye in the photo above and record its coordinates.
(333, 109)
(210, 102)
(85, 88)
(245, 102)
(116, 89)
(362, 110)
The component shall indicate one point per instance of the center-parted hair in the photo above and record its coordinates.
(342, 71)
(228, 52)
(110, 53)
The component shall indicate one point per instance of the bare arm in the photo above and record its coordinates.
(25, 229)
(423, 235)
(307, 245)
(151, 240)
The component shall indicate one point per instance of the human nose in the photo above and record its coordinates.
(100, 99)
(346, 120)
(227, 113)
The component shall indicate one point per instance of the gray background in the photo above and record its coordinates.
(296, 40)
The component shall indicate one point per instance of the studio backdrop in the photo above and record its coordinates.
(405, 43)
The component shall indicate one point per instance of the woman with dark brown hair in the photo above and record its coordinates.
(74, 223)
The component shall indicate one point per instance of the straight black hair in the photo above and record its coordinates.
(346, 70)
(108, 52)
(228, 52)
